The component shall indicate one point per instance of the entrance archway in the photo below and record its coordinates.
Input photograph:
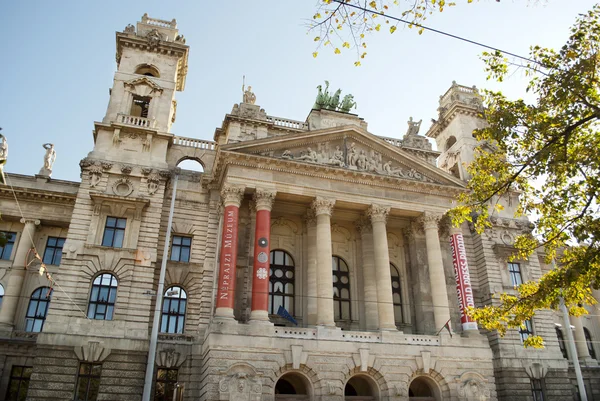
(361, 388)
(423, 389)
(292, 387)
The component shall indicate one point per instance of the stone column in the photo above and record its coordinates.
(385, 300)
(311, 267)
(262, 243)
(13, 289)
(232, 198)
(323, 208)
(582, 350)
(437, 277)
(368, 265)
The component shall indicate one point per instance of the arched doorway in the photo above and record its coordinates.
(360, 388)
(422, 389)
(292, 387)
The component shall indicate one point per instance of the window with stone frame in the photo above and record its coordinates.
(181, 248)
(53, 251)
(103, 297)
(1, 294)
(18, 383)
(6, 250)
(37, 309)
(397, 294)
(282, 278)
(166, 381)
(88, 382)
(173, 310)
(516, 278)
(589, 342)
(341, 289)
(561, 342)
(538, 389)
(114, 232)
(587, 385)
(140, 106)
(526, 330)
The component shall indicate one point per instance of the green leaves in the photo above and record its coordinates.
(546, 155)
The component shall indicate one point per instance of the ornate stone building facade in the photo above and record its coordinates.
(322, 221)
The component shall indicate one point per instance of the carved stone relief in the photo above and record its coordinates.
(353, 157)
(240, 384)
(95, 172)
(153, 182)
(122, 187)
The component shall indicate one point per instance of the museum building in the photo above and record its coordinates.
(309, 260)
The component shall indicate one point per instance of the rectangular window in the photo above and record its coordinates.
(526, 331)
(587, 384)
(166, 380)
(88, 382)
(140, 106)
(515, 274)
(6, 250)
(114, 232)
(180, 248)
(537, 389)
(53, 252)
(19, 383)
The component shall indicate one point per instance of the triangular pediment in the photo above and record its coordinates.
(144, 86)
(349, 148)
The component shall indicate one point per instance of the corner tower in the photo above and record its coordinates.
(152, 60)
(459, 115)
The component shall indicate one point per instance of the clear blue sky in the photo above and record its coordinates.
(58, 60)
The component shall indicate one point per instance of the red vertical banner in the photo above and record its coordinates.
(229, 238)
(260, 277)
(463, 280)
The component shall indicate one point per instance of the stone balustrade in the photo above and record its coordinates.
(392, 141)
(286, 123)
(159, 22)
(194, 143)
(456, 88)
(135, 121)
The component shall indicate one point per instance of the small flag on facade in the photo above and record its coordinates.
(286, 315)
(447, 327)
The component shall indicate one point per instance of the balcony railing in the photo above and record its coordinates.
(285, 123)
(135, 121)
(194, 143)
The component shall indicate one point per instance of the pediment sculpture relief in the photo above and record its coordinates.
(352, 156)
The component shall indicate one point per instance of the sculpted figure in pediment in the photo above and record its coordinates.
(287, 155)
(309, 156)
(361, 161)
(352, 155)
(338, 158)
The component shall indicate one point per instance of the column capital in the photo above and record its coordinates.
(264, 199)
(322, 205)
(232, 195)
(30, 221)
(378, 213)
(310, 218)
(363, 226)
(455, 230)
(430, 220)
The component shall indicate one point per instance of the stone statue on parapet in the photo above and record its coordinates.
(49, 159)
(248, 96)
(413, 127)
(332, 102)
(3, 157)
(347, 103)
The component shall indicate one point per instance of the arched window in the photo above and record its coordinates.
(281, 282)
(397, 294)
(1, 294)
(173, 310)
(37, 310)
(561, 342)
(590, 344)
(360, 388)
(341, 289)
(102, 297)
(451, 141)
(148, 70)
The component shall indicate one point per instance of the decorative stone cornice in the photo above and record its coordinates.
(430, 220)
(232, 195)
(322, 206)
(378, 213)
(264, 199)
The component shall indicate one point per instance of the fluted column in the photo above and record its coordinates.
(370, 282)
(437, 277)
(385, 301)
(262, 242)
(14, 286)
(580, 343)
(323, 208)
(232, 198)
(311, 268)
